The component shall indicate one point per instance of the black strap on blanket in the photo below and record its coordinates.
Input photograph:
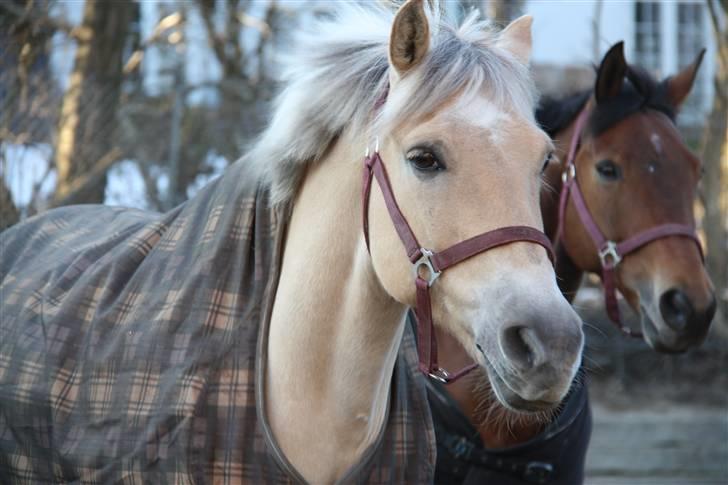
(462, 449)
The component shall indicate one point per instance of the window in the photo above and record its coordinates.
(690, 39)
(647, 36)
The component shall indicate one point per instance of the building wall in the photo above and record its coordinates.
(563, 35)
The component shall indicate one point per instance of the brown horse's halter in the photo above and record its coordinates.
(610, 252)
(427, 265)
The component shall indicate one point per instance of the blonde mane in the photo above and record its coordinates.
(339, 69)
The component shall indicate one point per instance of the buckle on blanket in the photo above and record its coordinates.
(538, 472)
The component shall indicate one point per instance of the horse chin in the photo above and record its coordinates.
(516, 404)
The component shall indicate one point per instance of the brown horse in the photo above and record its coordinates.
(635, 174)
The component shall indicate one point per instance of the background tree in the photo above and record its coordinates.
(503, 11)
(25, 34)
(85, 143)
(715, 158)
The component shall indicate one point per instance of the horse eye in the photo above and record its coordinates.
(547, 161)
(424, 161)
(609, 170)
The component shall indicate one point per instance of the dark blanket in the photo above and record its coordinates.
(555, 457)
(131, 346)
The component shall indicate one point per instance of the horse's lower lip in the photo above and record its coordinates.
(510, 398)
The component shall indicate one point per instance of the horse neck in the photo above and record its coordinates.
(334, 332)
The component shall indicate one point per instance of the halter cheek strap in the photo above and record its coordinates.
(610, 252)
(428, 265)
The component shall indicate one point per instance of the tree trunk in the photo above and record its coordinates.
(87, 126)
(503, 11)
(715, 180)
(8, 212)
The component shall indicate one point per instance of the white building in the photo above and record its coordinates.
(662, 36)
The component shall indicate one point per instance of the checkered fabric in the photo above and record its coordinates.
(129, 348)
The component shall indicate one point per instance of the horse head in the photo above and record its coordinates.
(636, 172)
(468, 163)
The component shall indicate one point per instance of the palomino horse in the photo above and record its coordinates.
(626, 177)
(251, 334)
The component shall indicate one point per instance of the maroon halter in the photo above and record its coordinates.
(610, 252)
(434, 263)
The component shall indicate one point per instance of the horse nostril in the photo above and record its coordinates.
(521, 346)
(676, 309)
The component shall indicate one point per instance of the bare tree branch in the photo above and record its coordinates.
(35, 192)
(77, 189)
(715, 21)
(42, 20)
(9, 213)
(265, 36)
(165, 24)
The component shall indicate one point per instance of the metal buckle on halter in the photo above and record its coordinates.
(440, 374)
(609, 256)
(425, 261)
(569, 173)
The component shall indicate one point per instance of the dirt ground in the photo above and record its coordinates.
(658, 419)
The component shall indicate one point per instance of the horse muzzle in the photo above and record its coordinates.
(675, 322)
(534, 362)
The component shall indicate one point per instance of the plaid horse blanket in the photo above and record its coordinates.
(131, 346)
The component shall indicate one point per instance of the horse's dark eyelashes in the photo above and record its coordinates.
(547, 162)
(425, 159)
(608, 170)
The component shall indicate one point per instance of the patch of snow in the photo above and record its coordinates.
(25, 167)
(125, 186)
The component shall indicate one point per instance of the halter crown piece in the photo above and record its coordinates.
(428, 265)
(610, 252)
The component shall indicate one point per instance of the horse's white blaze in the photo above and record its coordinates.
(656, 143)
(485, 114)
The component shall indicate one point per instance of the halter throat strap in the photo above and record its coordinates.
(610, 252)
(427, 265)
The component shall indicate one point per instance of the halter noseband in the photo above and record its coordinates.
(610, 252)
(427, 265)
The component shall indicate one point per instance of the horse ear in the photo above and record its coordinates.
(610, 75)
(679, 85)
(410, 37)
(516, 38)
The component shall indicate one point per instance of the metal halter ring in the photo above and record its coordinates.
(569, 173)
(440, 374)
(609, 255)
(425, 261)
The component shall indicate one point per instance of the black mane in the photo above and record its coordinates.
(640, 92)
(555, 114)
